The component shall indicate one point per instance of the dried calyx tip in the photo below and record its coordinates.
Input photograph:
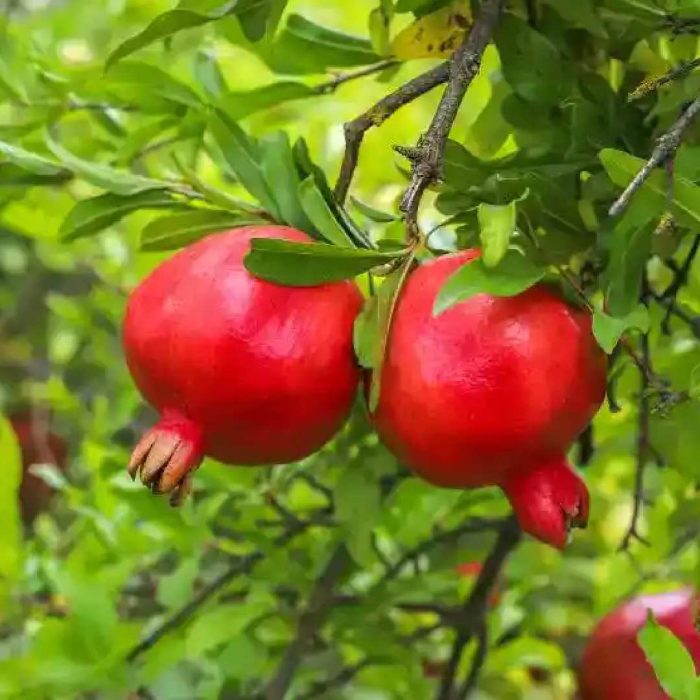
(166, 457)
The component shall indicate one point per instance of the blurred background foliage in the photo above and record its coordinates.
(109, 565)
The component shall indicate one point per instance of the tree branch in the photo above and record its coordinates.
(680, 278)
(376, 115)
(474, 609)
(643, 441)
(666, 147)
(320, 602)
(472, 679)
(426, 156)
(343, 677)
(471, 526)
(334, 83)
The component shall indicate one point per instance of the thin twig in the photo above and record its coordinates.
(319, 603)
(340, 679)
(334, 83)
(472, 679)
(647, 86)
(666, 147)
(472, 526)
(643, 440)
(376, 115)
(475, 606)
(426, 156)
(679, 279)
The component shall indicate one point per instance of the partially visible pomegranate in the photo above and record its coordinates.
(492, 392)
(614, 666)
(243, 370)
(38, 446)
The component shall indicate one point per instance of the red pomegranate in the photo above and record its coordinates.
(38, 446)
(614, 666)
(492, 392)
(243, 370)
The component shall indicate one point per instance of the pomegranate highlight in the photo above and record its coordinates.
(492, 392)
(614, 666)
(241, 369)
(37, 446)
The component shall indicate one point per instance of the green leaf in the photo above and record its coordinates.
(93, 215)
(622, 167)
(306, 47)
(371, 213)
(373, 326)
(166, 25)
(208, 74)
(282, 177)
(321, 215)
(29, 161)
(357, 501)
(672, 662)
(258, 17)
(496, 226)
(175, 589)
(178, 230)
(238, 105)
(513, 275)
(104, 176)
(243, 156)
(308, 264)
(609, 329)
(10, 526)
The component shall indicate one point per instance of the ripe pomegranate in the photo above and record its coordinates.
(37, 446)
(614, 666)
(492, 392)
(243, 370)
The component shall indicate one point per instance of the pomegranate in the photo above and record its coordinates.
(614, 666)
(243, 370)
(492, 392)
(38, 446)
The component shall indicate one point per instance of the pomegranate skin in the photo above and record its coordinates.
(34, 493)
(244, 370)
(492, 392)
(614, 667)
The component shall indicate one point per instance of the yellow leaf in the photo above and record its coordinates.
(436, 35)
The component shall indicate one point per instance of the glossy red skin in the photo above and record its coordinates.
(264, 373)
(490, 390)
(614, 666)
(34, 493)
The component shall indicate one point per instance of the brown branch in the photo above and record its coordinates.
(319, 603)
(474, 609)
(376, 115)
(649, 85)
(666, 147)
(426, 156)
(680, 278)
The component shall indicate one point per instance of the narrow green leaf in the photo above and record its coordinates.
(373, 326)
(321, 215)
(166, 25)
(29, 161)
(281, 174)
(609, 329)
(496, 226)
(513, 275)
(259, 17)
(238, 105)
(672, 662)
(308, 264)
(104, 176)
(10, 477)
(95, 214)
(243, 157)
(357, 501)
(381, 217)
(178, 230)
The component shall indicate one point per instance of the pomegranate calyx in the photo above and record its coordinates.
(166, 457)
(549, 500)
